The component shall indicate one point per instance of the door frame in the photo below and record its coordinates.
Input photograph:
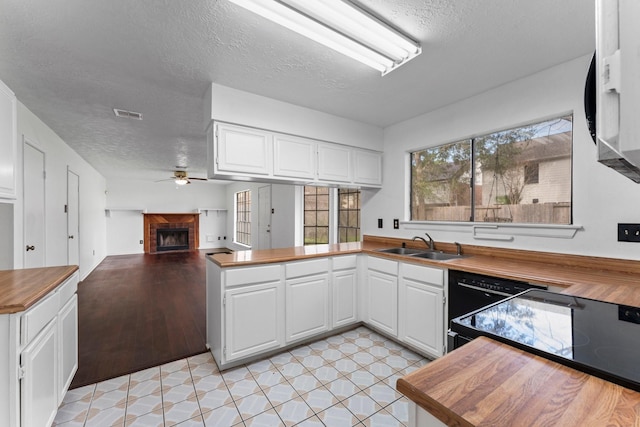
(36, 146)
(68, 209)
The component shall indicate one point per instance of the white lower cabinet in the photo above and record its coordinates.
(421, 308)
(307, 298)
(344, 290)
(68, 351)
(39, 384)
(307, 307)
(39, 357)
(382, 294)
(254, 319)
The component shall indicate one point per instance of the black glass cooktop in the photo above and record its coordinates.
(596, 337)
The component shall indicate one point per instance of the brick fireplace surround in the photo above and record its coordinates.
(154, 221)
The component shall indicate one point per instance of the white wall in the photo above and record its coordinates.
(6, 236)
(244, 108)
(58, 157)
(127, 199)
(601, 197)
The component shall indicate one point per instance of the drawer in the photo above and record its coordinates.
(249, 275)
(382, 265)
(67, 289)
(345, 262)
(307, 268)
(38, 316)
(434, 276)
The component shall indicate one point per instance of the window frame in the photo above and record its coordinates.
(334, 211)
(473, 221)
(242, 218)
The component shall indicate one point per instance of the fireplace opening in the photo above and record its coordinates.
(172, 239)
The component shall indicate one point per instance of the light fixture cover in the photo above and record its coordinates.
(342, 26)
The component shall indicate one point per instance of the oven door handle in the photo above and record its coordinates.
(488, 291)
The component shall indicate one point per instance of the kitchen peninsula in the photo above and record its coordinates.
(472, 370)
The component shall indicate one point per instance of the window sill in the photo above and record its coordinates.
(498, 231)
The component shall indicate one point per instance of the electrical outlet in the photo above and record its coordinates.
(396, 224)
(141, 242)
(628, 232)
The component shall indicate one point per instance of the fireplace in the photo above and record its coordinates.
(172, 239)
(171, 232)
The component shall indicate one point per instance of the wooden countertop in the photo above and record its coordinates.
(20, 289)
(606, 279)
(487, 383)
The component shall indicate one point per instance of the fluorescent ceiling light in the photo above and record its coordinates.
(342, 26)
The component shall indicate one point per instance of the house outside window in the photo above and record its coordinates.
(519, 175)
(243, 217)
(331, 215)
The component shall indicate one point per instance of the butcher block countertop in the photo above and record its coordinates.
(20, 289)
(487, 383)
(607, 279)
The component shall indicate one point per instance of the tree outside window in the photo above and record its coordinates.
(520, 175)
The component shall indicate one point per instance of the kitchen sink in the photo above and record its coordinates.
(421, 253)
(401, 251)
(437, 256)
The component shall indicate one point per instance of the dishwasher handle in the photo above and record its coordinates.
(488, 291)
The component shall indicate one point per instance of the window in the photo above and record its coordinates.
(520, 175)
(316, 215)
(243, 217)
(331, 215)
(348, 215)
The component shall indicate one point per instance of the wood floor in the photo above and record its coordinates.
(138, 311)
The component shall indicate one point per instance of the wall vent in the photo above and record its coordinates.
(127, 114)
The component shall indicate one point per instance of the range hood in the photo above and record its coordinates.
(617, 86)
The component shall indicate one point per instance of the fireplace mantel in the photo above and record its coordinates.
(153, 221)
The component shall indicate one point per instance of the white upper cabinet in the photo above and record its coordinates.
(367, 167)
(334, 163)
(243, 150)
(8, 142)
(294, 157)
(243, 153)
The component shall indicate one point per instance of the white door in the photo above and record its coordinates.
(254, 320)
(307, 306)
(73, 229)
(382, 298)
(421, 309)
(344, 297)
(34, 207)
(264, 217)
(38, 391)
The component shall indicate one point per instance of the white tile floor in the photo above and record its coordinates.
(344, 380)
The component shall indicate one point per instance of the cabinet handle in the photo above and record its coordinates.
(31, 248)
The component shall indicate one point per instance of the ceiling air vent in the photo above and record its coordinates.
(127, 114)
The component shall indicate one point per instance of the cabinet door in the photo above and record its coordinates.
(39, 386)
(344, 285)
(334, 163)
(382, 301)
(294, 157)
(243, 150)
(421, 316)
(254, 320)
(68, 345)
(367, 167)
(8, 142)
(307, 306)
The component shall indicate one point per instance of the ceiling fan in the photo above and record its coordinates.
(180, 177)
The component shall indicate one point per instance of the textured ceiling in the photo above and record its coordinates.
(72, 61)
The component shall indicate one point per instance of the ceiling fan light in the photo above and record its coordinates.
(181, 181)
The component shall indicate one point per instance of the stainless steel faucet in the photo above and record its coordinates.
(429, 244)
